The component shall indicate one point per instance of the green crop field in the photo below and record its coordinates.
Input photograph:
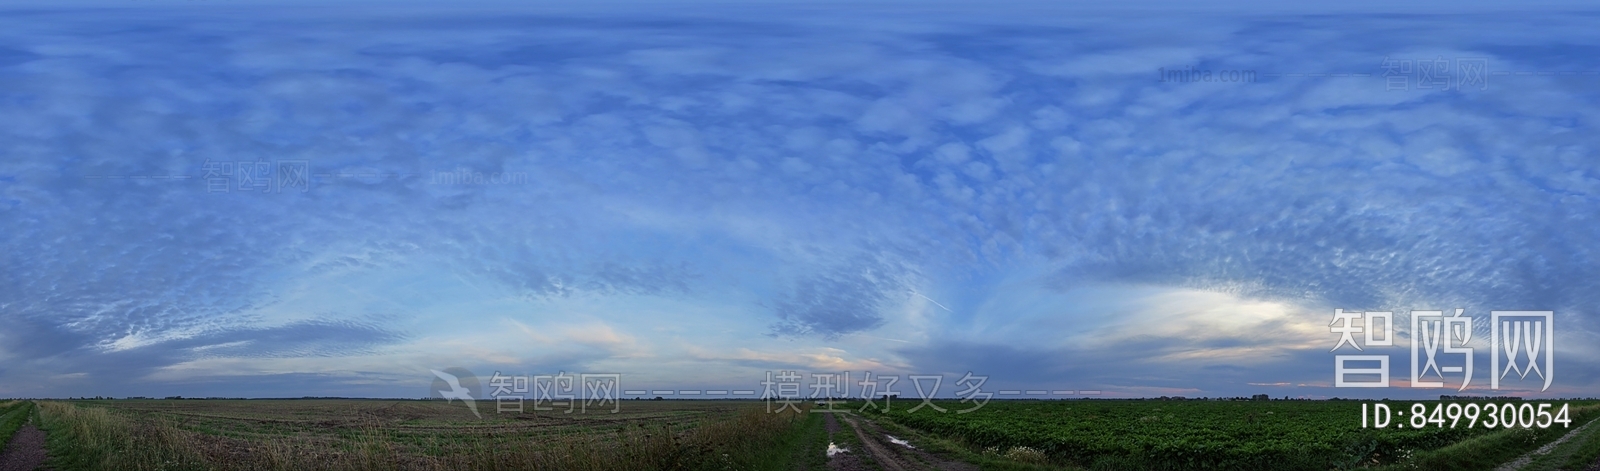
(1267, 435)
(341, 434)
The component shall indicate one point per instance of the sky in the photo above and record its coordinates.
(223, 199)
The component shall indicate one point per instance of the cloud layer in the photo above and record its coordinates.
(803, 186)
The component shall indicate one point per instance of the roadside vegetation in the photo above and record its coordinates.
(1579, 453)
(1492, 449)
(13, 415)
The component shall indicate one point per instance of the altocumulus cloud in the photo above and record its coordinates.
(795, 178)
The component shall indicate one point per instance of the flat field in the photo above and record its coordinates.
(341, 434)
(407, 434)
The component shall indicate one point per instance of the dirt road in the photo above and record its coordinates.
(25, 452)
(1528, 458)
(895, 457)
(847, 461)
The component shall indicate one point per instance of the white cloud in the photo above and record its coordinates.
(765, 170)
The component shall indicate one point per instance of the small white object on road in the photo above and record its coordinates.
(900, 442)
(835, 449)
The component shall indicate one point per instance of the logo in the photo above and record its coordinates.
(1527, 329)
(456, 383)
(1525, 338)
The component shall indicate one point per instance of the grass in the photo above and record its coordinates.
(13, 415)
(1493, 449)
(89, 438)
(422, 435)
(1584, 452)
(801, 448)
(1577, 454)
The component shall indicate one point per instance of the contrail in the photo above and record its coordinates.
(936, 303)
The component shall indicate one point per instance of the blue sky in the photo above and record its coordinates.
(694, 195)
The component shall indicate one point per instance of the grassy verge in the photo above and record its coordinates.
(1486, 452)
(92, 438)
(801, 447)
(12, 417)
(1577, 454)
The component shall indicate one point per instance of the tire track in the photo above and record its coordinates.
(847, 461)
(1530, 456)
(892, 457)
(26, 450)
(889, 461)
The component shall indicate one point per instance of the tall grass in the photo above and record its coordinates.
(93, 438)
(87, 438)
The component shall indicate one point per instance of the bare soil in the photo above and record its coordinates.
(25, 452)
(847, 461)
(893, 457)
